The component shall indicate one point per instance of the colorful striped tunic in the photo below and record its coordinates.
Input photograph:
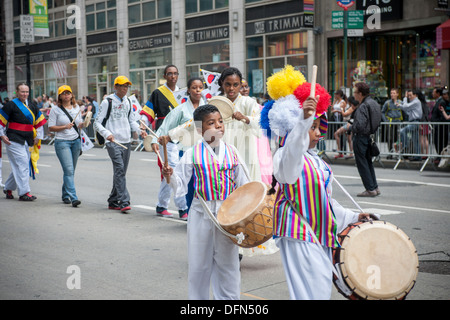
(213, 181)
(310, 196)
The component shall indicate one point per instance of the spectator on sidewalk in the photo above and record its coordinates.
(366, 122)
(392, 113)
(413, 108)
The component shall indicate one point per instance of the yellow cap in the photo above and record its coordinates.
(64, 88)
(122, 80)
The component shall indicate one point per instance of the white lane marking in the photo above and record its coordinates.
(39, 164)
(149, 160)
(164, 218)
(403, 207)
(401, 181)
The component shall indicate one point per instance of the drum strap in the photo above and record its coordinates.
(239, 237)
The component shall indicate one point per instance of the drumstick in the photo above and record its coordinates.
(151, 131)
(119, 144)
(166, 161)
(313, 85)
(159, 156)
(76, 116)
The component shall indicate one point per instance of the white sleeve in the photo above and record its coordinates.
(182, 174)
(344, 217)
(288, 160)
(102, 111)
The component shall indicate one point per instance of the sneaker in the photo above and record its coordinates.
(162, 212)
(378, 191)
(113, 206)
(27, 197)
(9, 194)
(350, 156)
(367, 193)
(67, 201)
(76, 203)
(183, 214)
(124, 208)
(340, 155)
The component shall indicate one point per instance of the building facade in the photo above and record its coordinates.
(138, 38)
(92, 41)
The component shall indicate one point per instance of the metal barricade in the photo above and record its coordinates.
(415, 141)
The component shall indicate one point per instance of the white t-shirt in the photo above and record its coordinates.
(57, 117)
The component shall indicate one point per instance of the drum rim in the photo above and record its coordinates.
(350, 279)
(258, 203)
(224, 102)
(88, 118)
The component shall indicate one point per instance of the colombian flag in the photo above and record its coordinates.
(148, 111)
(3, 118)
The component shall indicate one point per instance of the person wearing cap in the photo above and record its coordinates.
(21, 128)
(120, 123)
(65, 120)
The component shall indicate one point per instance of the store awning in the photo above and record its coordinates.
(443, 35)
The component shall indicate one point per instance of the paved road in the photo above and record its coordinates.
(45, 244)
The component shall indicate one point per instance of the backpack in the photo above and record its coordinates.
(98, 137)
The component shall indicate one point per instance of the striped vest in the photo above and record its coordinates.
(213, 181)
(310, 197)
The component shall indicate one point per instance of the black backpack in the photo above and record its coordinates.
(98, 136)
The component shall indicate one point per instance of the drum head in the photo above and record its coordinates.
(148, 143)
(379, 261)
(241, 203)
(224, 105)
(87, 119)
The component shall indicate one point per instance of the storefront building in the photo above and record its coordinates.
(400, 52)
(138, 38)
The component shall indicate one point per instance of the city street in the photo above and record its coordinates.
(142, 256)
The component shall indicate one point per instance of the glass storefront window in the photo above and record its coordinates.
(255, 47)
(150, 12)
(37, 71)
(208, 52)
(286, 44)
(150, 58)
(102, 64)
(164, 9)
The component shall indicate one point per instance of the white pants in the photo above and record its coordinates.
(165, 191)
(213, 259)
(308, 274)
(19, 158)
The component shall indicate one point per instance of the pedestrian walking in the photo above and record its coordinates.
(366, 121)
(119, 124)
(25, 130)
(65, 120)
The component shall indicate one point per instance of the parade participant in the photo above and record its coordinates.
(161, 103)
(116, 108)
(65, 120)
(217, 170)
(304, 198)
(180, 115)
(242, 134)
(25, 130)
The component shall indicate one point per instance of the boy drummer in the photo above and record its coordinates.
(218, 171)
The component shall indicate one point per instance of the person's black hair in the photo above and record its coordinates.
(169, 66)
(230, 71)
(439, 90)
(191, 80)
(202, 111)
(353, 101)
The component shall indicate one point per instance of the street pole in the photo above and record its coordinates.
(28, 65)
(345, 47)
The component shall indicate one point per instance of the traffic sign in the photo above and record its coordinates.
(26, 29)
(355, 19)
(345, 3)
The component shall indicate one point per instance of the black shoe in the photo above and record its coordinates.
(27, 197)
(67, 201)
(125, 207)
(8, 193)
(113, 205)
(76, 203)
(183, 214)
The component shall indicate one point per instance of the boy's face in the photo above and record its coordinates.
(314, 134)
(212, 127)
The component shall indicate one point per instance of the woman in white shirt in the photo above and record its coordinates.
(66, 122)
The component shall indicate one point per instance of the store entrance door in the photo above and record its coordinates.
(102, 90)
(150, 86)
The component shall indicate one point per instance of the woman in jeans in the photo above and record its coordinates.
(67, 140)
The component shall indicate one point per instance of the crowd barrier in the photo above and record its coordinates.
(412, 141)
(399, 141)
